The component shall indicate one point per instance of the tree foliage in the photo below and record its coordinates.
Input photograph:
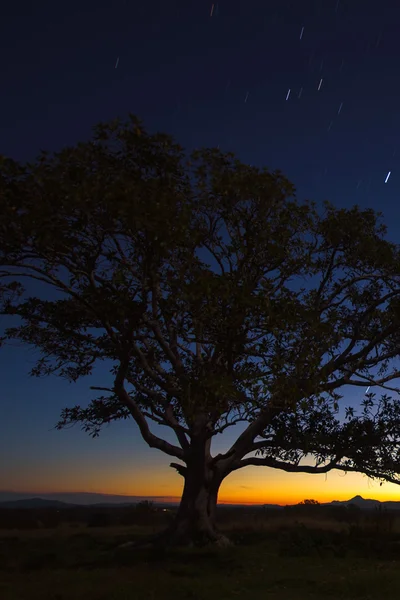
(114, 233)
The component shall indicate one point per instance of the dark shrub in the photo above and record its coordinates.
(99, 520)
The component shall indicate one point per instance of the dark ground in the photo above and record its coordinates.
(294, 554)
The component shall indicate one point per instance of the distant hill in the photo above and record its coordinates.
(47, 503)
(11, 500)
(360, 502)
(35, 503)
(99, 500)
(365, 504)
(85, 498)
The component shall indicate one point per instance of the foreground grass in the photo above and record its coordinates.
(295, 563)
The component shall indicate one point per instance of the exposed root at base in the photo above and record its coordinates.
(149, 541)
(173, 538)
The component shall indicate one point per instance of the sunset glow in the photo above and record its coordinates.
(250, 486)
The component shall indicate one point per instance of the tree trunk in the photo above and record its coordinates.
(195, 521)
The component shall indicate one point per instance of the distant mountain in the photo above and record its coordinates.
(126, 504)
(86, 498)
(45, 503)
(359, 501)
(35, 503)
(364, 503)
(70, 500)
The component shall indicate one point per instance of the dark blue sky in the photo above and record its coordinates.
(220, 79)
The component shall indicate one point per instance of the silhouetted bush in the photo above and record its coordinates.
(99, 520)
(354, 514)
(145, 507)
(380, 520)
(301, 541)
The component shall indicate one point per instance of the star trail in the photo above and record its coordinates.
(335, 49)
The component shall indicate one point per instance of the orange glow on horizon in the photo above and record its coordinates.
(221, 500)
(157, 481)
(238, 496)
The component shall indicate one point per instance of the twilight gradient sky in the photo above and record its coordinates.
(210, 75)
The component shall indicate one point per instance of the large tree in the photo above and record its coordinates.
(122, 227)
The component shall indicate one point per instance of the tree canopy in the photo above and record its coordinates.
(218, 297)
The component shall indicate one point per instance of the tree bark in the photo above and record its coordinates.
(195, 521)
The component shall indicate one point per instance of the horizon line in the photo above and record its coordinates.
(170, 499)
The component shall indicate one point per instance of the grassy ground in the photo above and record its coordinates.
(285, 560)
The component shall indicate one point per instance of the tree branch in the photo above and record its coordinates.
(164, 418)
(171, 389)
(368, 380)
(152, 440)
(173, 358)
(211, 251)
(290, 468)
(60, 285)
(245, 440)
(277, 464)
(328, 273)
(180, 468)
(226, 425)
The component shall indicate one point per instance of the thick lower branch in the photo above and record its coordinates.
(290, 468)
(277, 464)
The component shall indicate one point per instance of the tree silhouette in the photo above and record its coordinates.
(178, 271)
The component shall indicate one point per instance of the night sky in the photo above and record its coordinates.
(308, 87)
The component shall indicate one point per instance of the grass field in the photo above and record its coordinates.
(274, 558)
